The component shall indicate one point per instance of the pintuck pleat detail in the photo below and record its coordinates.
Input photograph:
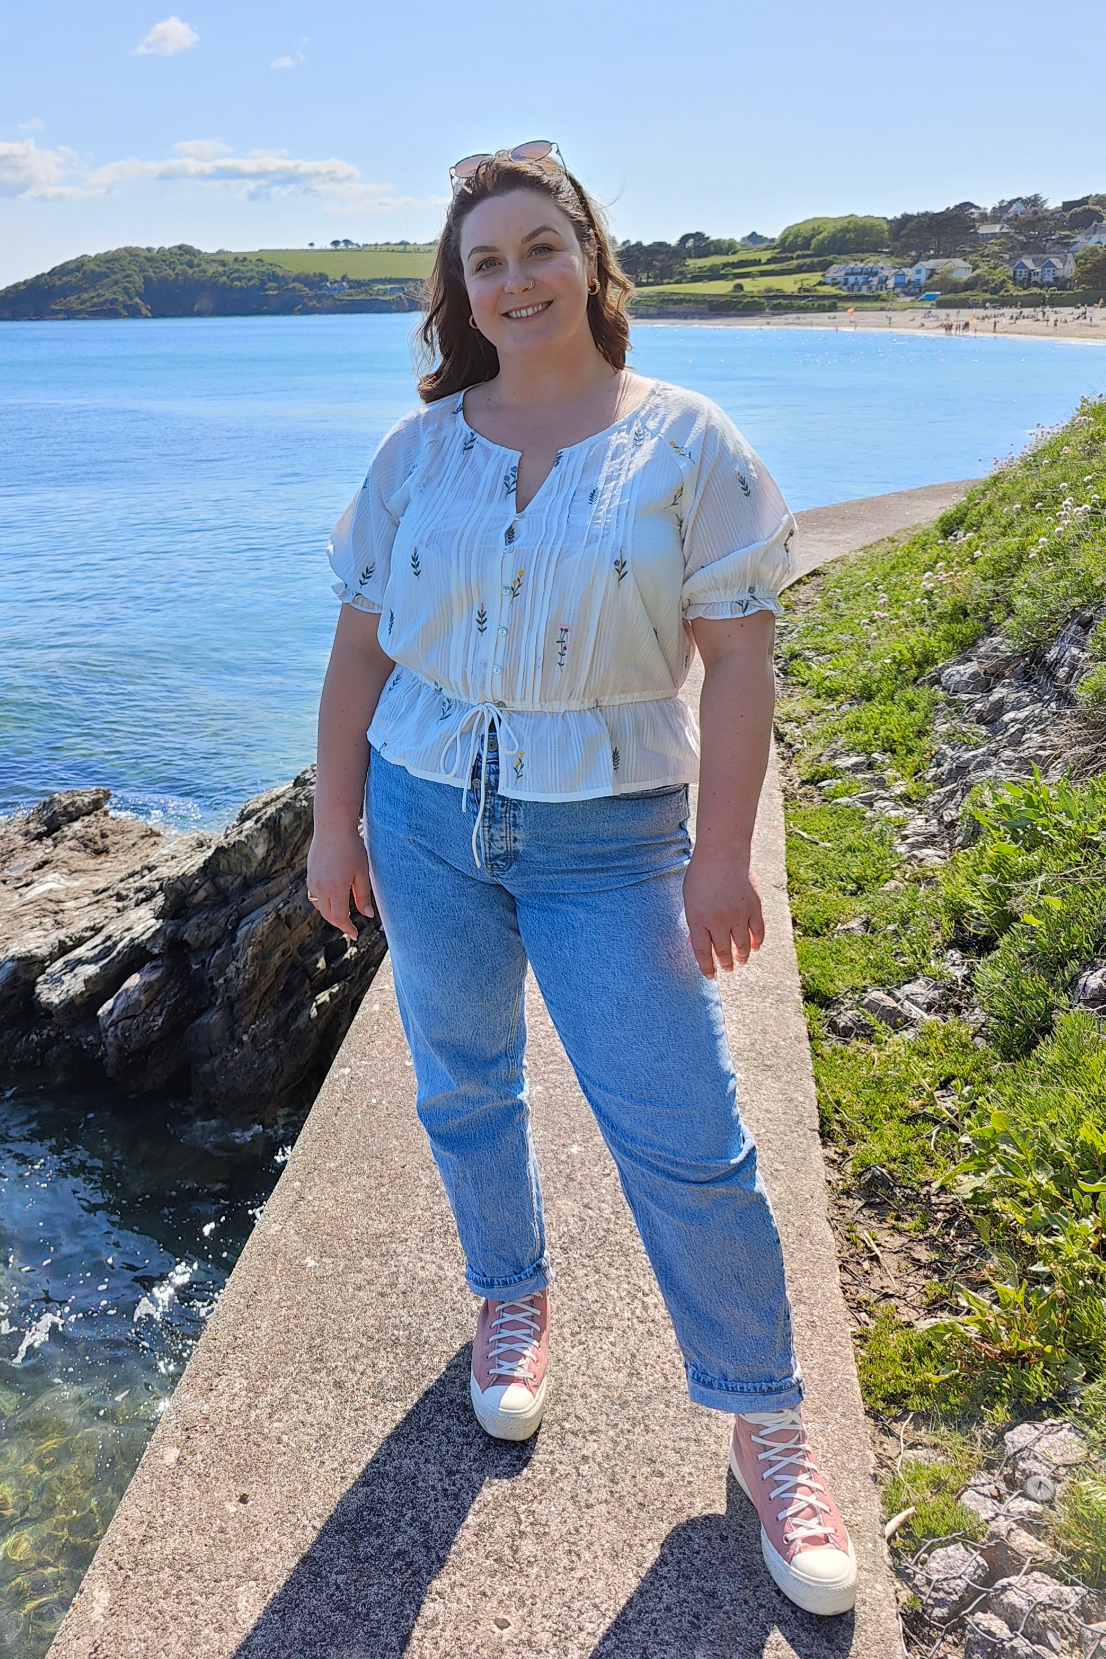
(569, 617)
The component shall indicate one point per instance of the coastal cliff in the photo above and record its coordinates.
(193, 961)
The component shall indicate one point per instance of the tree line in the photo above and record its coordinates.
(182, 281)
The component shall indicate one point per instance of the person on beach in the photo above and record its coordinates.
(534, 557)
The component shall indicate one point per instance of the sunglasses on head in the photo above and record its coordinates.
(538, 149)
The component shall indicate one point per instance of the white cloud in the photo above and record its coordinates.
(202, 149)
(52, 175)
(166, 38)
(283, 63)
(25, 170)
(33, 125)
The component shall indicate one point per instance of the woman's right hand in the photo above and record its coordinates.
(337, 866)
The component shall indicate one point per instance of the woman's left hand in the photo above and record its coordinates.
(722, 907)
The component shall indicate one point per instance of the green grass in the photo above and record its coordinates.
(1013, 1120)
(369, 264)
(930, 1488)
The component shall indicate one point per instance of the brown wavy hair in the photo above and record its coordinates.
(461, 355)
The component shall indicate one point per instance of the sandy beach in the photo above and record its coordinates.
(1054, 324)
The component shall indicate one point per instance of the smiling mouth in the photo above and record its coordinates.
(524, 311)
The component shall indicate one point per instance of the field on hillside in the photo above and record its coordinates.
(749, 284)
(368, 264)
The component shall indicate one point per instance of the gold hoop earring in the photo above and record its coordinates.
(472, 321)
(593, 286)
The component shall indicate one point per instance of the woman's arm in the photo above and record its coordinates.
(337, 863)
(721, 903)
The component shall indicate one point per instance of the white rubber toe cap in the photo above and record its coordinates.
(819, 1580)
(508, 1412)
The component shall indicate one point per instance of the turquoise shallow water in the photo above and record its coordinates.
(166, 489)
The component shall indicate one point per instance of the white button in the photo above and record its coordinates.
(497, 669)
(504, 590)
(502, 631)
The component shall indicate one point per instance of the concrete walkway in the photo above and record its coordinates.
(318, 1488)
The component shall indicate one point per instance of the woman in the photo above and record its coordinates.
(524, 574)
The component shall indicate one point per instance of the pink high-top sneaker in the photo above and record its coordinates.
(509, 1357)
(802, 1537)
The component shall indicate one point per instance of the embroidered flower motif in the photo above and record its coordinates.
(366, 574)
(481, 620)
(520, 760)
(684, 454)
(677, 497)
(638, 437)
(616, 759)
(397, 676)
(468, 443)
(509, 534)
(391, 620)
(562, 644)
(593, 496)
(744, 482)
(415, 565)
(516, 585)
(620, 566)
(447, 707)
(557, 458)
(510, 478)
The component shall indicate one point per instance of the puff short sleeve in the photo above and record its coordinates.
(360, 545)
(737, 530)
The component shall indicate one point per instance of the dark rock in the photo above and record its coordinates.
(1008, 1549)
(964, 679)
(1067, 659)
(923, 992)
(986, 1637)
(884, 1008)
(949, 1580)
(195, 958)
(1043, 1610)
(849, 1025)
(1090, 989)
(65, 807)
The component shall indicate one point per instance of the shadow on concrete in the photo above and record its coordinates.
(708, 1596)
(359, 1588)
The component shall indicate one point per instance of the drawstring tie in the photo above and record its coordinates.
(480, 721)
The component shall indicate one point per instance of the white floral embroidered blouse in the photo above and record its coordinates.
(563, 626)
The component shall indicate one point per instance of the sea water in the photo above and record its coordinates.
(166, 489)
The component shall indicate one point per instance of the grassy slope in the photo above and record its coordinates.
(367, 264)
(1015, 1122)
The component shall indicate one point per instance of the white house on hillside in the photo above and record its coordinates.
(1046, 270)
(1093, 237)
(913, 278)
(868, 277)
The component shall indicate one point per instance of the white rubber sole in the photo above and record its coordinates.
(813, 1596)
(508, 1425)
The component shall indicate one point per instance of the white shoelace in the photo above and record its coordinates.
(778, 1454)
(515, 1330)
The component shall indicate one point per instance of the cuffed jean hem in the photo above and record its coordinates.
(739, 1398)
(535, 1279)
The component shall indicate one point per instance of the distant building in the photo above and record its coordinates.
(911, 279)
(1049, 270)
(861, 276)
(989, 229)
(1093, 237)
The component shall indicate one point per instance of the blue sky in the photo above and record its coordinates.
(249, 125)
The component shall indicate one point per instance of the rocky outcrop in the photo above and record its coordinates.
(189, 960)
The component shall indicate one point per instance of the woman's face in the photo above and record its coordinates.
(526, 274)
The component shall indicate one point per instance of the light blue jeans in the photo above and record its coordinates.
(590, 894)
